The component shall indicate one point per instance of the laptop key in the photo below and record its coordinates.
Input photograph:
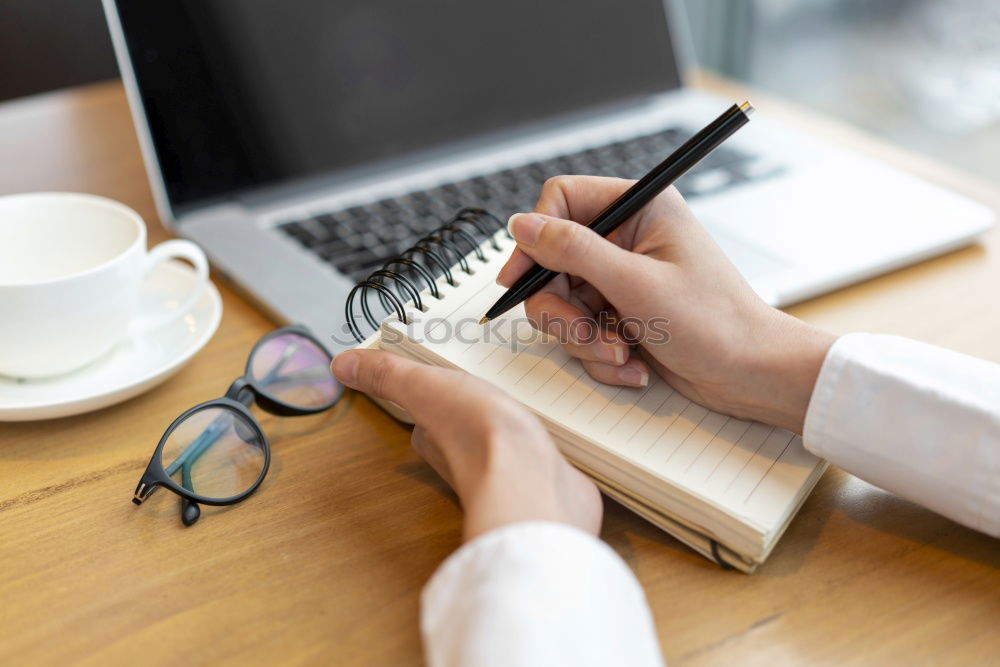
(355, 258)
(358, 212)
(308, 232)
(365, 225)
(451, 191)
(361, 261)
(335, 227)
(425, 223)
(333, 251)
(297, 232)
(392, 233)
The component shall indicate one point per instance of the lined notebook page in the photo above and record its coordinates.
(752, 470)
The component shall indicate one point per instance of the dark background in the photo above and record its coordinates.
(47, 44)
(862, 60)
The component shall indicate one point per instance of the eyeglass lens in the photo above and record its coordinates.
(294, 370)
(214, 452)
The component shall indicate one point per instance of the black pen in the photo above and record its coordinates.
(633, 199)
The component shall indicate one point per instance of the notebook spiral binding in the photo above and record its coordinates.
(440, 250)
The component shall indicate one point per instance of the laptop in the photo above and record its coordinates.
(303, 143)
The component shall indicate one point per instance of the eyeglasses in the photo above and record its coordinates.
(216, 453)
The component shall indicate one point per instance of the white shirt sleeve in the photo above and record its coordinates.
(536, 593)
(914, 419)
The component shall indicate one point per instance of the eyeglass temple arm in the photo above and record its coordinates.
(190, 511)
(193, 452)
(314, 374)
(285, 357)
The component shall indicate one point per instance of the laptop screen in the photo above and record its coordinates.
(241, 94)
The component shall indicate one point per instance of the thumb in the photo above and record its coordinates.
(424, 391)
(569, 247)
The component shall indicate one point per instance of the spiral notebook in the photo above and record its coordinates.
(726, 487)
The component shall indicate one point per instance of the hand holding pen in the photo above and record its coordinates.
(706, 332)
(633, 199)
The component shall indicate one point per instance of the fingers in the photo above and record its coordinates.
(568, 247)
(576, 330)
(579, 198)
(517, 265)
(426, 392)
(633, 373)
(605, 357)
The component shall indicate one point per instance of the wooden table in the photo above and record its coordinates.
(325, 564)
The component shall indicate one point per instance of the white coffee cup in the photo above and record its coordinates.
(71, 270)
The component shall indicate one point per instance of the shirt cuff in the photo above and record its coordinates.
(536, 593)
(917, 420)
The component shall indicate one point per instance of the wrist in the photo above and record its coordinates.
(499, 499)
(529, 480)
(784, 371)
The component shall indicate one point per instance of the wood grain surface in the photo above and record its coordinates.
(324, 565)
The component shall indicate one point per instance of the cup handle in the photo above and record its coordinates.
(173, 249)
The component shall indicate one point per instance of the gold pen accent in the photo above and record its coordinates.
(747, 108)
(484, 320)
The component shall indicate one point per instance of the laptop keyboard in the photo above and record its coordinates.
(360, 239)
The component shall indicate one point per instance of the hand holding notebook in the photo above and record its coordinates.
(495, 455)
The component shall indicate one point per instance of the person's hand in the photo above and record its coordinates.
(726, 348)
(495, 454)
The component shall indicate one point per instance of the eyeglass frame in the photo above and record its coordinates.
(155, 474)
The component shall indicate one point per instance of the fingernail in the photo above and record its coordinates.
(618, 353)
(525, 228)
(612, 354)
(633, 376)
(345, 366)
(510, 223)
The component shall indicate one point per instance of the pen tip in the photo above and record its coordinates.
(484, 320)
(747, 108)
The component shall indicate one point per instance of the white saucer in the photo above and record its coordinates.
(133, 366)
